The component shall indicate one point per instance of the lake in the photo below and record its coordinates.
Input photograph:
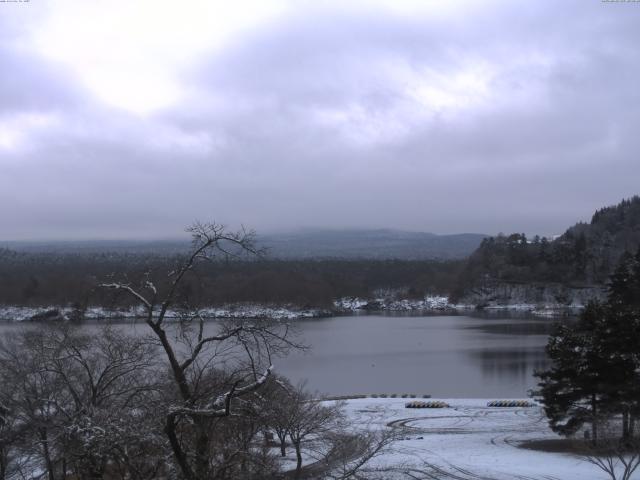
(441, 355)
(444, 356)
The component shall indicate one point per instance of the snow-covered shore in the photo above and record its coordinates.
(428, 303)
(16, 313)
(347, 305)
(442, 304)
(469, 440)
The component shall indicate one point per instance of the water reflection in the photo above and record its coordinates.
(517, 365)
(515, 328)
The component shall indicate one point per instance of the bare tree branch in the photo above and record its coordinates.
(130, 291)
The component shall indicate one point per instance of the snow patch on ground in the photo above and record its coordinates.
(469, 440)
(19, 314)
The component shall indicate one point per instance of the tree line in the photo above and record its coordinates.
(40, 279)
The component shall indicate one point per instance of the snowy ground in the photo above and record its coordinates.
(468, 441)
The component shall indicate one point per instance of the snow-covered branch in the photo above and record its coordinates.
(130, 291)
(203, 341)
(220, 406)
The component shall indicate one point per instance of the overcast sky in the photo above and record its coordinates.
(128, 119)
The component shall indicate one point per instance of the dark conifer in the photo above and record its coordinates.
(571, 390)
(595, 371)
(620, 283)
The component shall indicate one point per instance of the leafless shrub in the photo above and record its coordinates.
(619, 459)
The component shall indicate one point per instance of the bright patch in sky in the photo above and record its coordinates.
(440, 92)
(15, 130)
(130, 54)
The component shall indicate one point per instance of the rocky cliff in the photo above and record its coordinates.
(540, 295)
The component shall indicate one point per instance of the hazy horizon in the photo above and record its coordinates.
(184, 236)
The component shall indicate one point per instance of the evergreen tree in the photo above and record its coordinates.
(620, 291)
(595, 371)
(571, 390)
(617, 338)
(620, 340)
(635, 281)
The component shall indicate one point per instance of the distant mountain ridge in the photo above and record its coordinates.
(303, 244)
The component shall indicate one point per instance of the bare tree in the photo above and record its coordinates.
(319, 429)
(10, 434)
(112, 377)
(239, 354)
(351, 454)
(278, 406)
(310, 421)
(30, 397)
(76, 402)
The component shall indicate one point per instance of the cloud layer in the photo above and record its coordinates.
(477, 116)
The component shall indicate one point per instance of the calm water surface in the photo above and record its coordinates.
(444, 356)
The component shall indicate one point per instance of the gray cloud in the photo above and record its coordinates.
(514, 116)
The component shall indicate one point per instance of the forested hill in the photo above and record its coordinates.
(585, 254)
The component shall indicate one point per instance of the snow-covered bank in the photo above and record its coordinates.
(354, 304)
(442, 304)
(469, 440)
(347, 305)
(16, 313)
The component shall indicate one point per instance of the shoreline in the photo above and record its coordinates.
(344, 306)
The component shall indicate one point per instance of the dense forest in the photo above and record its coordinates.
(67, 279)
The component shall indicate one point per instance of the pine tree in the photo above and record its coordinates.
(620, 292)
(571, 391)
(595, 371)
(620, 340)
(617, 339)
(635, 281)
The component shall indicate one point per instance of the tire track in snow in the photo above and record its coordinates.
(500, 422)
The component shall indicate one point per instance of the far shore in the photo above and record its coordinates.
(427, 306)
